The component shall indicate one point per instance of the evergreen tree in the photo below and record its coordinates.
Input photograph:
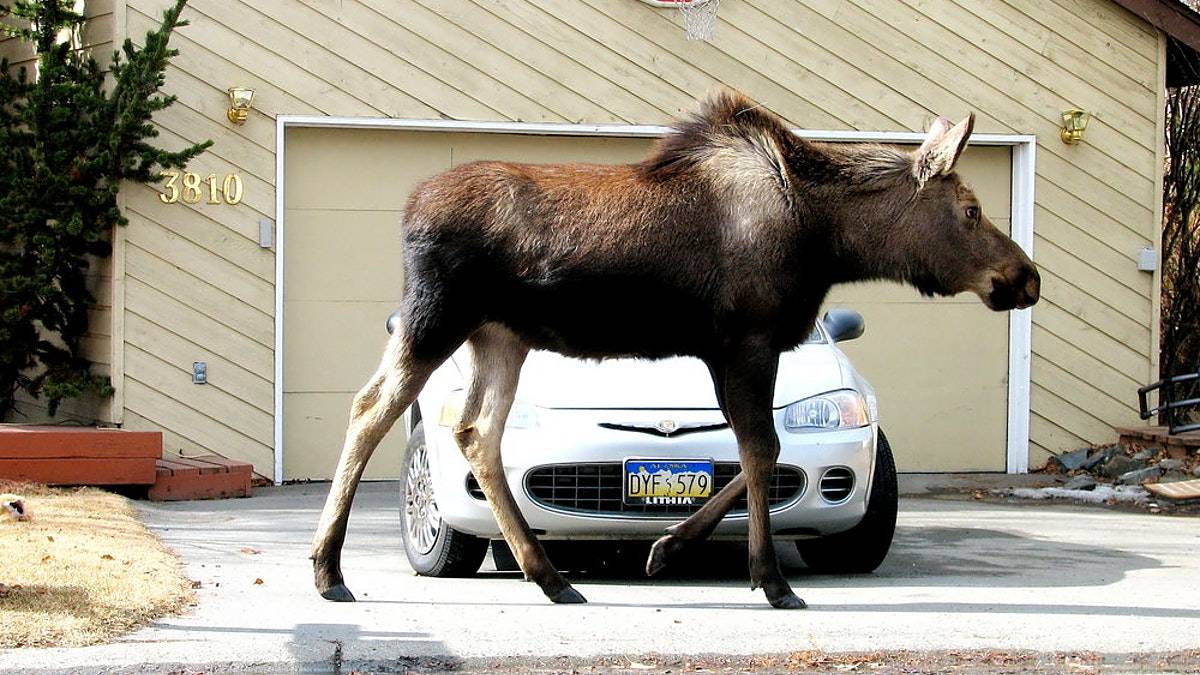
(67, 140)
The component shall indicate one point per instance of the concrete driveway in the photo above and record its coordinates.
(962, 575)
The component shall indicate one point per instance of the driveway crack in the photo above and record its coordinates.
(337, 656)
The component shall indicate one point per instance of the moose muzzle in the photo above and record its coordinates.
(1017, 289)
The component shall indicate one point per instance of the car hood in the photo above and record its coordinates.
(549, 380)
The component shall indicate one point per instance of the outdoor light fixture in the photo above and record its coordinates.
(1074, 122)
(240, 99)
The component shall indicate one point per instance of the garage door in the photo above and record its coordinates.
(944, 401)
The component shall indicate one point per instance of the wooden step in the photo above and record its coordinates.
(1177, 446)
(200, 477)
(59, 455)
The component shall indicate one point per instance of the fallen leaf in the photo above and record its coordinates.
(46, 558)
(106, 557)
(258, 582)
(49, 538)
(249, 551)
(195, 584)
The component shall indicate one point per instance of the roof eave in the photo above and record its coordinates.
(1182, 24)
(1170, 16)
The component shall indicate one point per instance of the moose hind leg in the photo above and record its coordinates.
(749, 386)
(376, 407)
(498, 354)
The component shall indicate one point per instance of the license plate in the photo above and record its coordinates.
(662, 481)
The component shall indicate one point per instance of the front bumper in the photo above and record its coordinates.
(568, 436)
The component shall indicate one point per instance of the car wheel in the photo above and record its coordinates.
(434, 549)
(863, 547)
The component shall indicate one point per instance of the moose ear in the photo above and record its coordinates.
(942, 146)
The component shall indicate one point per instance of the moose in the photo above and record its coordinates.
(722, 245)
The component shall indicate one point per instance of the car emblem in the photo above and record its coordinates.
(667, 427)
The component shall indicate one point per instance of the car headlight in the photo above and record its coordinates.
(844, 409)
(521, 416)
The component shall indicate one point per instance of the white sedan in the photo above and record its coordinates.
(621, 449)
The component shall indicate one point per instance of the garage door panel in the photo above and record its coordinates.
(315, 430)
(345, 194)
(319, 239)
(940, 365)
(332, 346)
(548, 149)
(363, 170)
(989, 171)
(895, 294)
(941, 376)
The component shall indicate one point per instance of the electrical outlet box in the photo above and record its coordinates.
(1147, 259)
(199, 372)
(266, 233)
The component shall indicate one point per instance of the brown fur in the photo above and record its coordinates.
(722, 244)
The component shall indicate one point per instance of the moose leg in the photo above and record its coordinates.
(697, 527)
(749, 386)
(700, 524)
(376, 407)
(498, 354)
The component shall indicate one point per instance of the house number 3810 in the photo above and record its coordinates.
(190, 188)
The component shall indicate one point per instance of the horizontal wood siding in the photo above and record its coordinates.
(199, 287)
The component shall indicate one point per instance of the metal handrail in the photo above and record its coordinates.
(1167, 402)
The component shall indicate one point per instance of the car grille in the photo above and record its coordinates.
(837, 484)
(596, 489)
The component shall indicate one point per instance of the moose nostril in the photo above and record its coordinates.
(1033, 284)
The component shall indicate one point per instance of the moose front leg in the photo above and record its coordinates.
(700, 524)
(697, 527)
(749, 388)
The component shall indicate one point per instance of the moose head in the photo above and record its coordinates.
(952, 246)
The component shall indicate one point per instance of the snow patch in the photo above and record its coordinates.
(1132, 494)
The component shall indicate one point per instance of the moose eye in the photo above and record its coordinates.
(973, 213)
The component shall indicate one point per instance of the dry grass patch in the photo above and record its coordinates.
(82, 570)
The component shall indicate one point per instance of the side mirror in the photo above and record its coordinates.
(843, 324)
(393, 321)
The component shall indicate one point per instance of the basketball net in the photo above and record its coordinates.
(699, 18)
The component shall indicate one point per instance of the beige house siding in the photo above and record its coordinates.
(196, 285)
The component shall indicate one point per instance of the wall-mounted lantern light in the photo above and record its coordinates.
(240, 99)
(1074, 123)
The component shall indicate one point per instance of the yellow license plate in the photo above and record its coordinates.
(662, 481)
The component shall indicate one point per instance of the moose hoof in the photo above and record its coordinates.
(338, 593)
(661, 553)
(787, 601)
(567, 596)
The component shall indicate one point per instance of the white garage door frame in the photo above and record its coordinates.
(1020, 324)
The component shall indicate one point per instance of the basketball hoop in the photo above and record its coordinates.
(699, 16)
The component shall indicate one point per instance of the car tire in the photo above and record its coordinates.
(862, 548)
(433, 548)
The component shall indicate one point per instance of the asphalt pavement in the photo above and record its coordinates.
(962, 575)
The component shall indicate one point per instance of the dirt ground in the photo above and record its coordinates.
(82, 570)
(813, 662)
